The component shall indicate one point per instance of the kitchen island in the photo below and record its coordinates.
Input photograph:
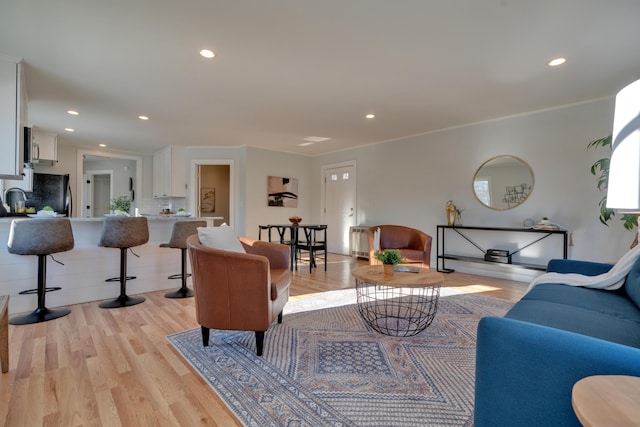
(82, 277)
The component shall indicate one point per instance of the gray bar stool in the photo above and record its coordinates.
(123, 232)
(40, 237)
(179, 232)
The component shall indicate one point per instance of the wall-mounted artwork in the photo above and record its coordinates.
(282, 192)
(207, 199)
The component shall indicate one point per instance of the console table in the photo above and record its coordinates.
(536, 235)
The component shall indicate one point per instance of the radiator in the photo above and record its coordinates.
(358, 243)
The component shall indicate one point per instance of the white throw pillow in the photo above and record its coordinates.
(221, 237)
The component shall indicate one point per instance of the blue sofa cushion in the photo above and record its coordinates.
(596, 313)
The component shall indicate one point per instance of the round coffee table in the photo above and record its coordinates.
(399, 304)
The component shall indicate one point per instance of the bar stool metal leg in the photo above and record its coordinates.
(123, 300)
(184, 291)
(42, 313)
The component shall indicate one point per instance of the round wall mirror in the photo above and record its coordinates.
(503, 182)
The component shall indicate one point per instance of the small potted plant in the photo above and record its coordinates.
(390, 257)
(122, 204)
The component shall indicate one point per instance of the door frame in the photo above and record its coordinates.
(80, 172)
(323, 187)
(194, 190)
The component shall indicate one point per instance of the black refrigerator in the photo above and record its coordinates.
(50, 190)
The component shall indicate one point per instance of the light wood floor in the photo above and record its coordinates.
(99, 367)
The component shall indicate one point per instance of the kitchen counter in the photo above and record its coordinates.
(82, 277)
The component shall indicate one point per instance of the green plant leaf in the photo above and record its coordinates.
(600, 169)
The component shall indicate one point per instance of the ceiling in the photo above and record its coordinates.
(285, 70)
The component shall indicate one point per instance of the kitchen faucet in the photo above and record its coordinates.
(20, 190)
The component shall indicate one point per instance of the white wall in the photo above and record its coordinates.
(264, 163)
(409, 181)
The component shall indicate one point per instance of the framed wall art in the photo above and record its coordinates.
(282, 192)
(207, 199)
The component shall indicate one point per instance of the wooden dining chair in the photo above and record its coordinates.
(315, 241)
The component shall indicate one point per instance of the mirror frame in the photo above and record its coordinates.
(475, 175)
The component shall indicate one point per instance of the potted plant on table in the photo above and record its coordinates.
(390, 257)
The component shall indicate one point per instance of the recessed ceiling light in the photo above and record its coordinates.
(316, 139)
(69, 129)
(370, 116)
(557, 61)
(102, 145)
(73, 112)
(143, 117)
(305, 144)
(206, 53)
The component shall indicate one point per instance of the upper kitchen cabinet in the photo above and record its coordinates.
(169, 174)
(44, 147)
(13, 117)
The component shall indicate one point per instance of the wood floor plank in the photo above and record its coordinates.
(98, 367)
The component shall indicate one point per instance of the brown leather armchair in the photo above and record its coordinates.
(413, 244)
(239, 291)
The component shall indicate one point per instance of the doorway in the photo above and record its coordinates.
(339, 182)
(97, 193)
(212, 193)
(126, 178)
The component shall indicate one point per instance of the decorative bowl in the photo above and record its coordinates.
(295, 220)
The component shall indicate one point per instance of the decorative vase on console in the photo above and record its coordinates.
(451, 213)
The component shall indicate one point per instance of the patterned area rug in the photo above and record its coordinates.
(323, 366)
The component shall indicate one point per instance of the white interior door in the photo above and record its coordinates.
(340, 206)
(97, 193)
(101, 195)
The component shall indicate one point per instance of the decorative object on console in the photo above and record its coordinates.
(623, 187)
(459, 216)
(498, 255)
(451, 213)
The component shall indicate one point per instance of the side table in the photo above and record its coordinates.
(607, 400)
(398, 304)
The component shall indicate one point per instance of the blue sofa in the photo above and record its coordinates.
(528, 361)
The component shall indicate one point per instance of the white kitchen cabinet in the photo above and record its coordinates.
(26, 183)
(44, 148)
(169, 174)
(13, 111)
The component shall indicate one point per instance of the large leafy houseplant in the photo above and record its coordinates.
(601, 170)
